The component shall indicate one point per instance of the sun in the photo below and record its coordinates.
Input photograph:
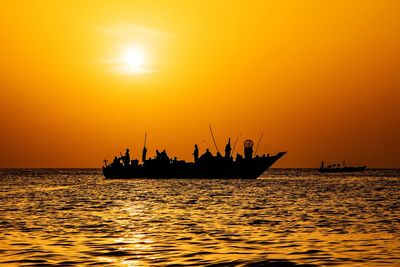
(134, 58)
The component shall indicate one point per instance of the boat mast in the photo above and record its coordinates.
(144, 151)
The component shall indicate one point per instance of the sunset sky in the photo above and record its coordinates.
(82, 80)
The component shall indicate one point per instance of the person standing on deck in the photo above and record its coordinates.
(228, 149)
(196, 153)
(127, 158)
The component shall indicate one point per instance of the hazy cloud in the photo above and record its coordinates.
(132, 30)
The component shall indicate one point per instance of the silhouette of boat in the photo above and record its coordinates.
(338, 168)
(343, 169)
(205, 166)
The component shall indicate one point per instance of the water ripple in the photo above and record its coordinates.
(285, 218)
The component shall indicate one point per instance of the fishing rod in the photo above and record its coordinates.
(212, 135)
(259, 141)
(234, 145)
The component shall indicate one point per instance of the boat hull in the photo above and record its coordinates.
(217, 168)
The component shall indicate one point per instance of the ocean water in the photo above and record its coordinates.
(287, 217)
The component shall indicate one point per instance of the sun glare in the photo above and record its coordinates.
(134, 58)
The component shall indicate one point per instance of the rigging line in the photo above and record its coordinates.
(234, 145)
(212, 135)
(259, 141)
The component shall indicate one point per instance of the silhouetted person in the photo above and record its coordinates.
(207, 155)
(127, 158)
(135, 163)
(228, 149)
(144, 154)
(116, 162)
(322, 164)
(164, 155)
(158, 154)
(196, 154)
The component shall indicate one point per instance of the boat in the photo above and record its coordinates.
(206, 166)
(338, 168)
(343, 169)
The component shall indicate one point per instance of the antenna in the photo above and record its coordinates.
(144, 152)
(212, 135)
(259, 141)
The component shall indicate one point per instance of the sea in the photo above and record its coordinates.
(286, 217)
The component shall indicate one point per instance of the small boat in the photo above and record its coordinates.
(343, 169)
(338, 168)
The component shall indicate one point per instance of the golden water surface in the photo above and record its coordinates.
(63, 217)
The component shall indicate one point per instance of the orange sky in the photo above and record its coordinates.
(321, 79)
